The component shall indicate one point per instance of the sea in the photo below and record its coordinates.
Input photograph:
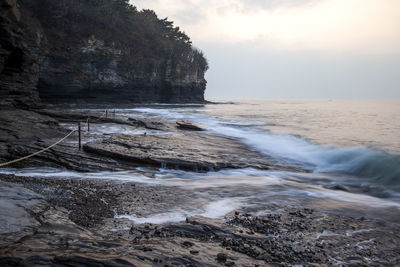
(349, 152)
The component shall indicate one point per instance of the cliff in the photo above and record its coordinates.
(95, 51)
(18, 60)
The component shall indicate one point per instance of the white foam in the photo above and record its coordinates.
(125, 176)
(220, 208)
(350, 197)
(360, 161)
(197, 116)
(111, 128)
(172, 216)
(213, 210)
(222, 178)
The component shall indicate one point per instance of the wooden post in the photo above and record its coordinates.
(80, 137)
(114, 113)
(106, 113)
(88, 125)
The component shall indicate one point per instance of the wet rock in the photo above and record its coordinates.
(83, 261)
(292, 236)
(206, 228)
(187, 244)
(221, 257)
(183, 125)
(179, 151)
(16, 207)
(151, 125)
(339, 187)
(157, 260)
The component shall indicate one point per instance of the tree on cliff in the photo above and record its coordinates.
(141, 33)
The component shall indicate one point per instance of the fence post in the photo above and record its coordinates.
(88, 125)
(114, 113)
(106, 113)
(80, 137)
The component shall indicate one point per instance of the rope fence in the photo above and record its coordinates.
(38, 152)
(58, 142)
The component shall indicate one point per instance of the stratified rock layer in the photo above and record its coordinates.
(67, 52)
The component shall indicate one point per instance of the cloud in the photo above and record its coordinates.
(368, 26)
(252, 5)
(293, 48)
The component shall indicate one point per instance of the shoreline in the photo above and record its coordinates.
(84, 221)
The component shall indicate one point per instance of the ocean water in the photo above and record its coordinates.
(347, 145)
(357, 138)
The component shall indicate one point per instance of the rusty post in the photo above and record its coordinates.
(80, 137)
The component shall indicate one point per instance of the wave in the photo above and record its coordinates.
(365, 162)
(377, 165)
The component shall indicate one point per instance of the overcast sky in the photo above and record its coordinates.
(310, 49)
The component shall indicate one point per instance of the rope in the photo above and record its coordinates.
(104, 113)
(47, 148)
(38, 152)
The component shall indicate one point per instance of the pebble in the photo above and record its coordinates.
(187, 244)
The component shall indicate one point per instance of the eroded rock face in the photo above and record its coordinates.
(91, 64)
(96, 73)
(18, 60)
(56, 59)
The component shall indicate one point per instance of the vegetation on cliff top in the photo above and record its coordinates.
(140, 34)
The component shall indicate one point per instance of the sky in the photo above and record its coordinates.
(298, 49)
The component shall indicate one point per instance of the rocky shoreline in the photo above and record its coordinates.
(74, 224)
(54, 221)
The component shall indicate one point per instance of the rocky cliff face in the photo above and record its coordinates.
(18, 60)
(66, 51)
(90, 71)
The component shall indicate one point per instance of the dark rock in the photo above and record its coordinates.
(221, 257)
(157, 260)
(187, 244)
(19, 60)
(206, 228)
(194, 252)
(83, 261)
(339, 187)
(188, 126)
